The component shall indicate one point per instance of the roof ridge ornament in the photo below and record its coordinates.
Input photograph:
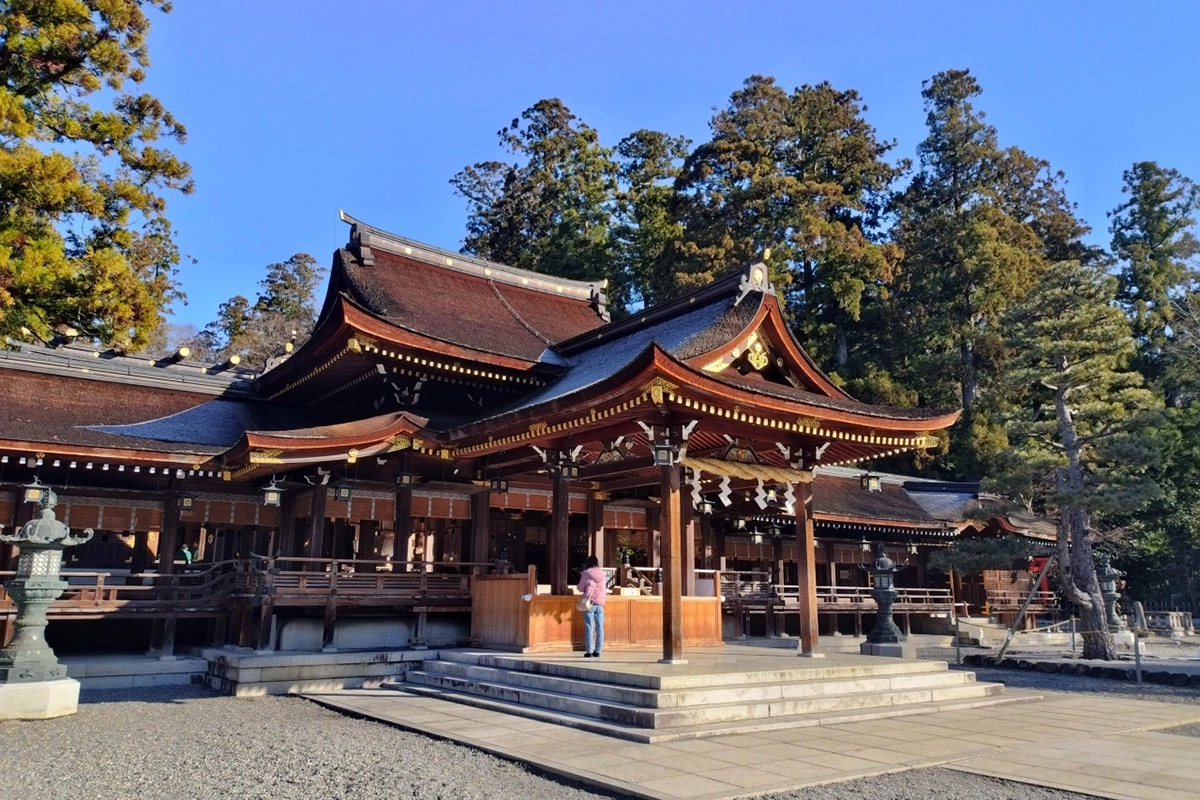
(755, 278)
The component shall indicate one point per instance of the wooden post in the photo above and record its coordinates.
(654, 551)
(706, 542)
(141, 553)
(719, 549)
(559, 533)
(689, 549)
(402, 520)
(596, 526)
(168, 543)
(330, 627)
(481, 515)
(832, 566)
(672, 567)
(806, 573)
(316, 526)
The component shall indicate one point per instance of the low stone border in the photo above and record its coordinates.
(1121, 673)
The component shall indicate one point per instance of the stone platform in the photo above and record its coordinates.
(720, 691)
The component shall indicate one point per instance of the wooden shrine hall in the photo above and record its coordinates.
(455, 437)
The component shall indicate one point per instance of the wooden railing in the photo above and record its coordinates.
(1012, 601)
(291, 581)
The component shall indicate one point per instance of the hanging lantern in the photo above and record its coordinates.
(35, 492)
(871, 483)
(864, 545)
(499, 485)
(272, 494)
(664, 455)
(342, 493)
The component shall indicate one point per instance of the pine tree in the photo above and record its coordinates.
(1080, 425)
(1153, 240)
(978, 224)
(645, 230)
(805, 176)
(284, 313)
(550, 210)
(85, 244)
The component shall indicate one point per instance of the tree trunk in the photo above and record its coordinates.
(1079, 583)
(842, 355)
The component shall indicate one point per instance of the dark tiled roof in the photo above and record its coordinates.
(592, 365)
(463, 309)
(755, 383)
(56, 409)
(845, 497)
(216, 424)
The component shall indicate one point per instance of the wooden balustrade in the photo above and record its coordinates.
(216, 587)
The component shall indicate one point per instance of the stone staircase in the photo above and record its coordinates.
(653, 708)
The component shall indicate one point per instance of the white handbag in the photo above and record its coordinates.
(584, 604)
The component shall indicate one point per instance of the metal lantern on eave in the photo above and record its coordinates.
(272, 494)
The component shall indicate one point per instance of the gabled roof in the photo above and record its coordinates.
(462, 300)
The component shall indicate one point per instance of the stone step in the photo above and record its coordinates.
(597, 689)
(715, 710)
(598, 673)
(636, 734)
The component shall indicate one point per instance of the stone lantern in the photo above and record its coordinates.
(885, 639)
(33, 685)
(1109, 576)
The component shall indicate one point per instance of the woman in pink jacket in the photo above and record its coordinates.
(593, 586)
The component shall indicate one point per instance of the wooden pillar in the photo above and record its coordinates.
(719, 549)
(559, 532)
(316, 526)
(706, 542)
(689, 549)
(596, 526)
(671, 556)
(402, 515)
(141, 552)
(481, 517)
(777, 574)
(654, 551)
(168, 536)
(832, 566)
(807, 571)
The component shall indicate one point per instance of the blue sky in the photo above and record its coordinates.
(296, 109)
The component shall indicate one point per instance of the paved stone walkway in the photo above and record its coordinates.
(1097, 746)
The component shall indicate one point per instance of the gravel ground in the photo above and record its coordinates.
(928, 783)
(1054, 682)
(187, 742)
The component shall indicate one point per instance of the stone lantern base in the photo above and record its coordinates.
(891, 649)
(39, 699)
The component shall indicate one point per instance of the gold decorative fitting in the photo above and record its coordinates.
(758, 356)
(266, 457)
(538, 428)
(353, 345)
(399, 442)
(351, 456)
(659, 387)
(808, 422)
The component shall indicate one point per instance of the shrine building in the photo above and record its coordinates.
(437, 461)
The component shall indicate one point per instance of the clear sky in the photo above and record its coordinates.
(296, 108)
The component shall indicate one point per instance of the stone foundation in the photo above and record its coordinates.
(39, 699)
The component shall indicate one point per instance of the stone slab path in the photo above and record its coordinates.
(1099, 746)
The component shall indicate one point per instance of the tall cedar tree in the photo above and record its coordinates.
(284, 312)
(1152, 238)
(84, 239)
(1080, 429)
(800, 174)
(977, 225)
(645, 230)
(550, 210)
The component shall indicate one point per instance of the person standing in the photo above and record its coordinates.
(593, 584)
